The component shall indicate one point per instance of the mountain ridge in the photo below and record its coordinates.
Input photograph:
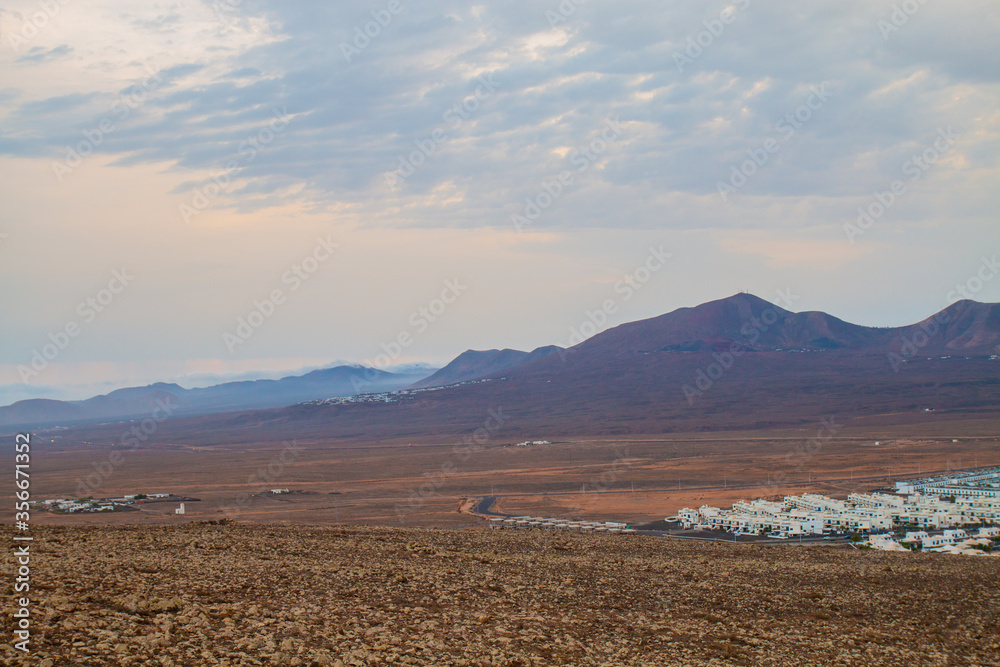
(228, 396)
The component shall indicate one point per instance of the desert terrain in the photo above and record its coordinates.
(421, 482)
(201, 594)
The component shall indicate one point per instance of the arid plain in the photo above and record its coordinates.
(422, 482)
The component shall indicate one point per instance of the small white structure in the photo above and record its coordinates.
(179, 510)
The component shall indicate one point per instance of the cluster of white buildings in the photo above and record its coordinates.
(975, 484)
(529, 443)
(528, 522)
(814, 514)
(390, 396)
(95, 504)
(73, 506)
(950, 541)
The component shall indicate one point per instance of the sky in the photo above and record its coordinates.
(196, 191)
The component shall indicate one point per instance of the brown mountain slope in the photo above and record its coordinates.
(697, 369)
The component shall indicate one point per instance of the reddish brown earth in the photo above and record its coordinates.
(281, 595)
(391, 482)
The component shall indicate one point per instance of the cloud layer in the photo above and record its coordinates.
(749, 134)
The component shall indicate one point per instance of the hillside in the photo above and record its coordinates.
(687, 371)
(473, 364)
(306, 595)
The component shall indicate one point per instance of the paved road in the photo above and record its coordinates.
(484, 506)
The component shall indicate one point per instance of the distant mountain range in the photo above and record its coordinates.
(735, 363)
(227, 397)
(965, 327)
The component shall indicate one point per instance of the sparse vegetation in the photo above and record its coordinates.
(215, 593)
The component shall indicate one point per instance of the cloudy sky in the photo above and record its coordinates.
(459, 175)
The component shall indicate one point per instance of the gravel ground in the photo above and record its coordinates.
(206, 594)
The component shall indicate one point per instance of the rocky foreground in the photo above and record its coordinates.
(203, 594)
